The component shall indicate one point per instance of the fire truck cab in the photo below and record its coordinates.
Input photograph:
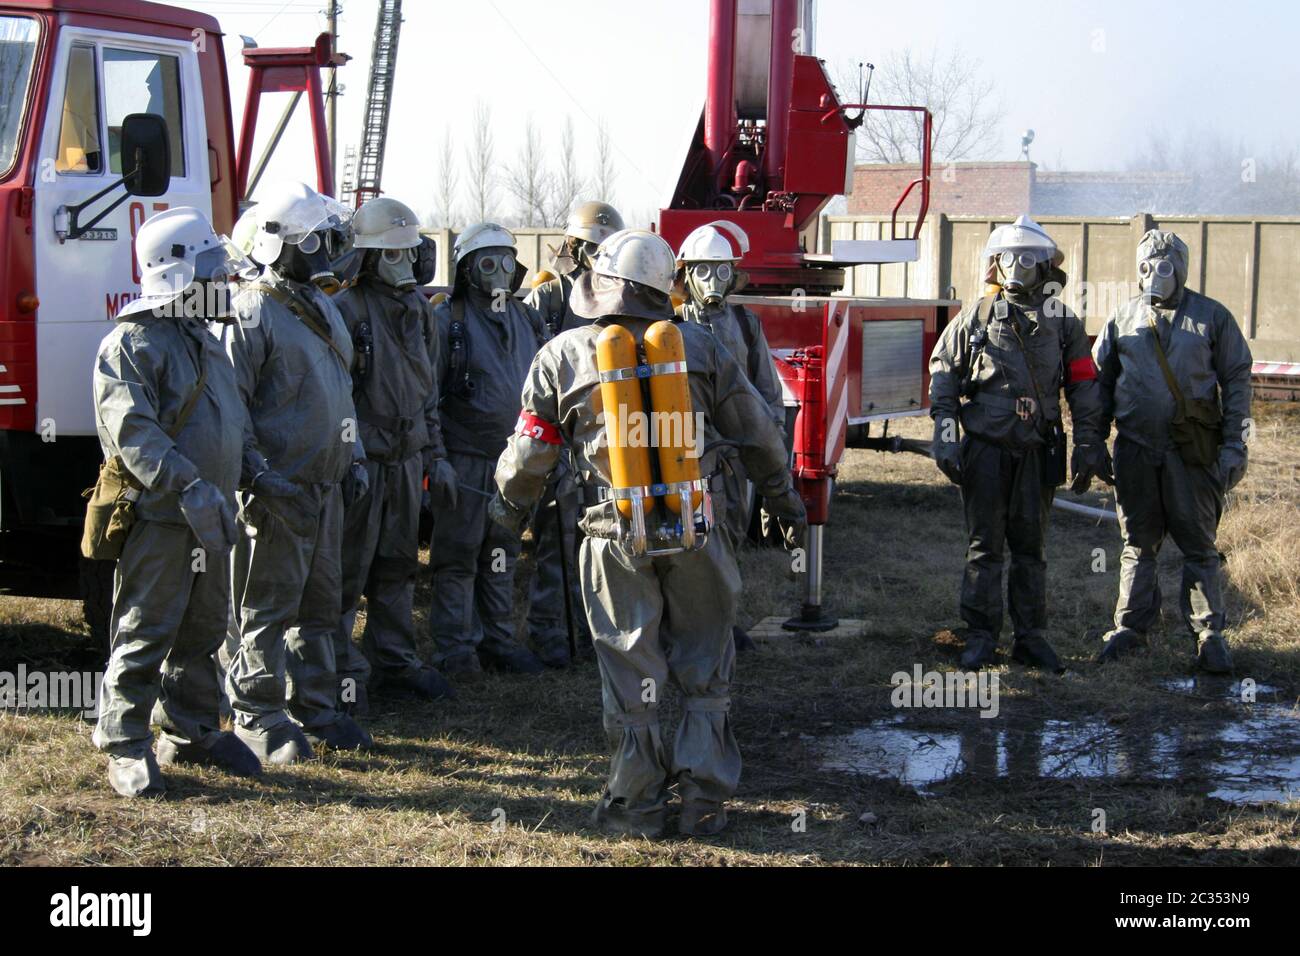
(73, 72)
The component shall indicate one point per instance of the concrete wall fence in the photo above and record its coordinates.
(1251, 265)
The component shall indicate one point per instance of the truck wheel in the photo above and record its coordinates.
(96, 582)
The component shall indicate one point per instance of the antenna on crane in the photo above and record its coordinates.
(379, 100)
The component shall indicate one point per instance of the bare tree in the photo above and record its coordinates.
(480, 159)
(1202, 173)
(446, 184)
(528, 181)
(604, 175)
(967, 116)
(567, 182)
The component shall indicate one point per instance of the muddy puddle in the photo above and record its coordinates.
(1249, 755)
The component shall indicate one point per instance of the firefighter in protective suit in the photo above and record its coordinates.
(708, 267)
(486, 340)
(396, 396)
(1170, 348)
(653, 618)
(590, 224)
(997, 372)
(292, 357)
(167, 409)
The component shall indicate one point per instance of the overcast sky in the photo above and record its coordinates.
(1093, 79)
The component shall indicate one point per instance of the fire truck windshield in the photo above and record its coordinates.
(18, 36)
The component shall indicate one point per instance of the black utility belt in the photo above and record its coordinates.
(1025, 407)
(593, 495)
(398, 424)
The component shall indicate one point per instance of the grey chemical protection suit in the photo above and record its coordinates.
(653, 619)
(396, 397)
(1156, 491)
(287, 573)
(1006, 394)
(480, 372)
(171, 598)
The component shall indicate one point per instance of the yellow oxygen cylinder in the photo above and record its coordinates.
(629, 467)
(670, 397)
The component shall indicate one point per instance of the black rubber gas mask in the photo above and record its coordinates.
(709, 282)
(1021, 274)
(396, 267)
(310, 261)
(1158, 280)
(492, 270)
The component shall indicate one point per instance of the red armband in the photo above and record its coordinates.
(1080, 370)
(530, 426)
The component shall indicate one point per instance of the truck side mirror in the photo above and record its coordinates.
(147, 166)
(146, 154)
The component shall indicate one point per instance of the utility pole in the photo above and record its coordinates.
(332, 93)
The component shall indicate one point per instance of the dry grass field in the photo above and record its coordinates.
(507, 773)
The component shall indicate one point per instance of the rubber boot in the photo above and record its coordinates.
(1212, 654)
(136, 776)
(343, 734)
(980, 651)
(283, 744)
(1120, 643)
(1034, 651)
(227, 753)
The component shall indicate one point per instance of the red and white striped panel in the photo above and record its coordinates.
(1276, 368)
(836, 377)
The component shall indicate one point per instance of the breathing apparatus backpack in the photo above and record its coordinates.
(663, 505)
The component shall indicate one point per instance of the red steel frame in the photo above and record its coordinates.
(289, 70)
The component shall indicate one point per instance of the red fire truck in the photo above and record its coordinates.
(72, 75)
(773, 147)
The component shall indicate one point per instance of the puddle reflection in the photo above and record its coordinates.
(1250, 758)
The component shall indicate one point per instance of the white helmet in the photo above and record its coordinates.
(593, 222)
(174, 248)
(1023, 235)
(719, 241)
(384, 223)
(637, 255)
(487, 235)
(482, 235)
(293, 213)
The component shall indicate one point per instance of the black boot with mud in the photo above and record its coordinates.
(343, 734)
(227, 752)
(1034, 651)
(425, 682)
(1120, 643)
(979, 652)
(511, 659)
(612, 817)
(1212, 654)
